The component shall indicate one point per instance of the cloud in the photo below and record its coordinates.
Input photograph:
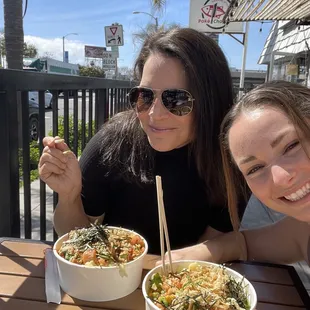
(53, 47)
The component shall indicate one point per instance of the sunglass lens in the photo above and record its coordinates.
(141, 98)
(177, 101)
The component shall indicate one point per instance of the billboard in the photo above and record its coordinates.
(94, 51)
(207, 16)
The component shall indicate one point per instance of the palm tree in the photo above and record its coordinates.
(143, 33)
(140, 36)
(158, 5)
(14, 33)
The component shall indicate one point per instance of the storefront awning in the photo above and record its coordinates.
(261, 10)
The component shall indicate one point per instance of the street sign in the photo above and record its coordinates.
(66, 58)
(114, 35)
(109, 55)
(109, 64)
(207, 16)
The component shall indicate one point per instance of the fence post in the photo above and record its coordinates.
(9, 176)
(101, 107)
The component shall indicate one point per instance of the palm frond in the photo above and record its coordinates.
(158, 5)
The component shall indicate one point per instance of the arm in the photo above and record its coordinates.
(210, 233)
(226, 247)
(218, 243)
(283, 242)
(286, 241)
(70, 214)
(84, 204)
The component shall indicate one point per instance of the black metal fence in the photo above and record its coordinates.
(86, 103)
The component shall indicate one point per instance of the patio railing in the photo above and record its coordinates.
(86, 103)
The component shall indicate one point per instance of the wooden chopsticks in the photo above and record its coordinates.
(163, 228)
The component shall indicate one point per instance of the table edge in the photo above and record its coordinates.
(14, 239)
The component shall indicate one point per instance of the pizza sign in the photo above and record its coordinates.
(207, 16)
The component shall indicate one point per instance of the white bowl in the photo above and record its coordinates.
(98, 283)
(179, 265)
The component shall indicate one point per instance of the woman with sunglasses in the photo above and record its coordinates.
(172, 129)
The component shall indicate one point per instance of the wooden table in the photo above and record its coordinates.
(22, 283)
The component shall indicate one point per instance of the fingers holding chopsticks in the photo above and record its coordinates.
(59, 167)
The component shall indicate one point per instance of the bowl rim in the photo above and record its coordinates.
(189, 261)
(100, 267)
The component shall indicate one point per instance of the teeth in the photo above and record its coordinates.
(299, 194)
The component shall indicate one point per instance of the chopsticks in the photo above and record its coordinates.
(163, 228)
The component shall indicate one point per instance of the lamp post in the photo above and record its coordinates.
(155, 18)
(63, 44)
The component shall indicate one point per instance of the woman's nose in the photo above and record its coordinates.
(281, 176)
(158, 110)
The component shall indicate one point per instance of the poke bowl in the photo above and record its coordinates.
(197, 285)
(100, 263)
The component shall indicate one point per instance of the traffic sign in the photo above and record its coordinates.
(109, 55)
(114, 35)
(109, 64)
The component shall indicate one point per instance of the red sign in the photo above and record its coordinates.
(113, 30)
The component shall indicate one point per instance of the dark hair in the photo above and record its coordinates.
(209, 81)
(293, 99)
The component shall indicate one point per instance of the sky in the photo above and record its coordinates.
(47, 21)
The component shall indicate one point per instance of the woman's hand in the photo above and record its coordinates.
(59, 168)
(196, 252)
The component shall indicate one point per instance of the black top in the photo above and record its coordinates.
(134, 206)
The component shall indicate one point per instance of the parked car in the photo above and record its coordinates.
(34, 96)
(33, 120)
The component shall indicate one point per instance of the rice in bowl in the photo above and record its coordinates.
(101, 246)
(198, 285)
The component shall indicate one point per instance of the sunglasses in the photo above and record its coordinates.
(177, 101)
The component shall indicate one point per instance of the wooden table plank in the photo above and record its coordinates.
(23, 249)
(277, 294)
(22, 287)
(14, 304)
(265, 274)
(33, 267)
(263, 306)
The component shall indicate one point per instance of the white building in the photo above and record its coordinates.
(286, 52)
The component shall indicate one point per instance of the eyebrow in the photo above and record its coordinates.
(273, 144)
(247, 159)
(278, 139)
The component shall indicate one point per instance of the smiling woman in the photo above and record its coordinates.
(267, 136)
(170, 129)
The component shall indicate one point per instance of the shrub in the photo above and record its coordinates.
(35, 151)
(61, 132)
(34, 160)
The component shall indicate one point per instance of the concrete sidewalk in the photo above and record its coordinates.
(35, 211)
(256, 215)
